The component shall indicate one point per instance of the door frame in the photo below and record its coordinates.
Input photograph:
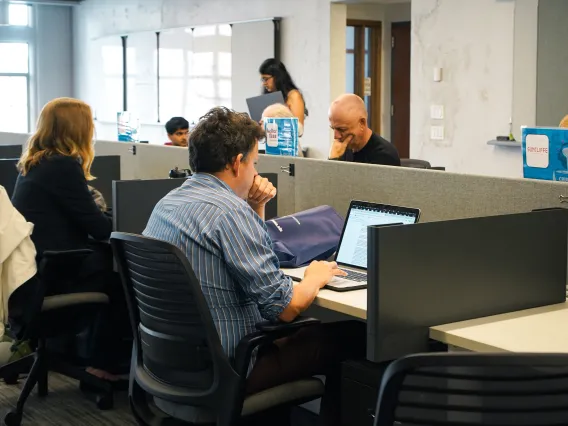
(393, 117)
(376, 56)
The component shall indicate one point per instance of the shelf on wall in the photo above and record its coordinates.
(510, 144)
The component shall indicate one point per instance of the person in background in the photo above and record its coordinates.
(279, 110)
(275, 78)
(217, 219)
(353, 140)
(51, 192)
(178, 131)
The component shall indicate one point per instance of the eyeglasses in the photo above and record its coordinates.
(266, 79)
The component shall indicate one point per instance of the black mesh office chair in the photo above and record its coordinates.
(54, 316)
(455, 389)
(417, 164)
(177, 357)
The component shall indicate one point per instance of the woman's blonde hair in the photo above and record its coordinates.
(65, 127)
(564, 122)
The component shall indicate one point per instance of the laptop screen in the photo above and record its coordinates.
(353, 245)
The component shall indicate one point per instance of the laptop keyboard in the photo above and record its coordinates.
(355, 276)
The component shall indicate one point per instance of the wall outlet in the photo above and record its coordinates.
(437, 112)
(437, 133)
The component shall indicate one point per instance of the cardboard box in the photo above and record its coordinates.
(545, 153)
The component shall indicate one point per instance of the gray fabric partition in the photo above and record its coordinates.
(144, 161)
(7, 138)
(440, 195)
(286, 183)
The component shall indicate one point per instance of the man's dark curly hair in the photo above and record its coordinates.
(219, 137)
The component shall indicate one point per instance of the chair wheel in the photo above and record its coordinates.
(11, 380)
(13, 419)
(105, 402)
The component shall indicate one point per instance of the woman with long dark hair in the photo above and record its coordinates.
(275, 78)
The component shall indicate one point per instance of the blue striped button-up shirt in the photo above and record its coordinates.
(230, 251)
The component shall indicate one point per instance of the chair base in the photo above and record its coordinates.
(101, 391)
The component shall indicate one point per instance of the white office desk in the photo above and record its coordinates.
(533, 330)
(353, 303)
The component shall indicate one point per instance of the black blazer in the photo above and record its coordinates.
(54, 196)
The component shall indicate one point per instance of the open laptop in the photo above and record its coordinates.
(351, 255)
(258, 104)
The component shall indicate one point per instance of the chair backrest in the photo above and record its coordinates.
(417, 164)
(455, 389)
(175, 339)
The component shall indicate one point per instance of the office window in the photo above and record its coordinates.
(14, 87)
(14, 104)
(205, 31)
(19, 15)
(14, 58)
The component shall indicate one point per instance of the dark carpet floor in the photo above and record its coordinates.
(64, 406)
(67, 406)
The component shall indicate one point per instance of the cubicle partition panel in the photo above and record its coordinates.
(10, 151)
(106, 169)
(8, 174)
(279, 169)
(8, 138)
(440, 195)
(145, 161)
(134, 201)
(441, 272)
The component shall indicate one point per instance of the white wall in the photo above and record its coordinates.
(552, 90)
(386, 14)
(474, 43)
(54, 54)
(305, 41)
(246, 60)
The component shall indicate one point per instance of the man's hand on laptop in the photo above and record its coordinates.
(324, 270)
(317, 275)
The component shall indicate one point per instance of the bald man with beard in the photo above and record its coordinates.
(353, 140)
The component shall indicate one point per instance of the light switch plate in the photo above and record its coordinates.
(437, 112)
(437, 133)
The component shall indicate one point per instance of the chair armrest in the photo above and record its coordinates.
(67, 253)
(269, 332)
(299, 322)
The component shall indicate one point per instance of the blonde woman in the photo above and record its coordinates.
(52, 192)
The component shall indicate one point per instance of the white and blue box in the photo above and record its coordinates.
(545, 153)
(281, 136)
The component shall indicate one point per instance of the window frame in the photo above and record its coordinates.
(21, 34)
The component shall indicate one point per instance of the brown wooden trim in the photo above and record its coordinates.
(363, 23)
(376, 59)
(359, 60)
(375, 52)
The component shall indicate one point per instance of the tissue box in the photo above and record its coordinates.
(545, 153)
(281, 136)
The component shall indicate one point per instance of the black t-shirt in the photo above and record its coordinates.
(377, 151)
